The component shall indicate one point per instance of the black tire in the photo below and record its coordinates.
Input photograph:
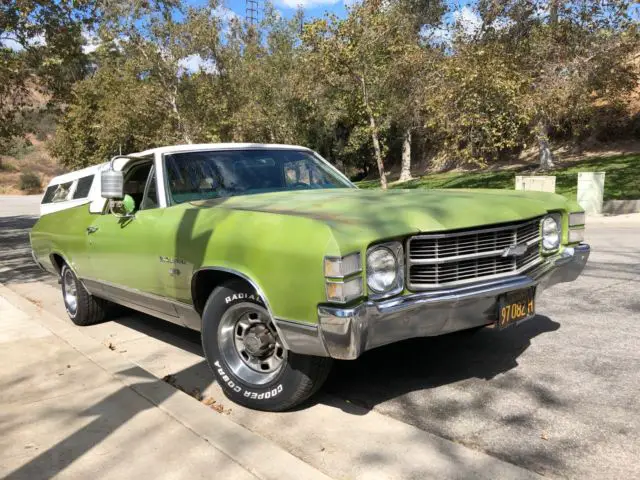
(87, 310)
(298, 376)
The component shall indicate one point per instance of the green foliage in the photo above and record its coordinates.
(352, 88)
(30, 182)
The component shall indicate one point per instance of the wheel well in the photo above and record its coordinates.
(205, 281)
(58, 262)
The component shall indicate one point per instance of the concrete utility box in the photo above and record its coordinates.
(539, 183)
(591, 191)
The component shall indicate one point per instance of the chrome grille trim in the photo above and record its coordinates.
(467, 256)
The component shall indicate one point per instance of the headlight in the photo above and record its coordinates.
(381, 269)
(551, 233)
(385, 269)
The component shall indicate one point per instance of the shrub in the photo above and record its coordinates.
(30, 182)
(7, 167)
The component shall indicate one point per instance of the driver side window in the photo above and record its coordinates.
(140, 183)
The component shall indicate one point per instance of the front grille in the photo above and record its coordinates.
(466, 256)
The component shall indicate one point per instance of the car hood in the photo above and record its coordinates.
(392, 213)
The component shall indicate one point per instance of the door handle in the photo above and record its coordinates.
(92, 229)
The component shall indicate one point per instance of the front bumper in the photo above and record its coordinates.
(345, 333)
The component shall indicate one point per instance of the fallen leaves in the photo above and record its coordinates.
(197, 394)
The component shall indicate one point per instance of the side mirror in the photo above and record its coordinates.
(112, 184)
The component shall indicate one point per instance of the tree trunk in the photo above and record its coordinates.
(546, 157)
(374, 136)
(405, 173)
(173, 99)
(378, 151)
(553, 12)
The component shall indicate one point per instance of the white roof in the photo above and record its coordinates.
(194, 147)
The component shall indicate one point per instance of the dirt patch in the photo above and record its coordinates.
(33, 157)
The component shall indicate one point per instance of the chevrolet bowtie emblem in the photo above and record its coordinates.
(514, 250)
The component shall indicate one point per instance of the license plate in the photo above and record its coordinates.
(514, 307)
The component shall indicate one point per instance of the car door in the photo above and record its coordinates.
(125, 251)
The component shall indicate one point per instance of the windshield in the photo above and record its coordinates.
(214, 174)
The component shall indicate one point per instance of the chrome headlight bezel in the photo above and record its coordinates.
(551, 233)
(395, 252)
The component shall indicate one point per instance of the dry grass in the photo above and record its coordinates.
(34, 158)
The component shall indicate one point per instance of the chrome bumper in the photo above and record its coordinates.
(345, 333)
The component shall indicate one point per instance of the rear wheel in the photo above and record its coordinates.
(247, 356)
(82, 307)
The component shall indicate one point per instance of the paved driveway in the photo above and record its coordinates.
(557, 395)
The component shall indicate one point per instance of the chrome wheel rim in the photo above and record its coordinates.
(70, 292)
(250, 345)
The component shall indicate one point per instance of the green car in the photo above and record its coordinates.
(283, 264)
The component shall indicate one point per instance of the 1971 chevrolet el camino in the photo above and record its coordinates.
(283, 264)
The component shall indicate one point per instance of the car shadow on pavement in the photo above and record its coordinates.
(395, 370)
(384, 373)
(112, 413)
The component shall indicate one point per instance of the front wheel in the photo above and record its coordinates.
(82, 307)
(247, 356)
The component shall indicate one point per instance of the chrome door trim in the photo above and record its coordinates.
(181, 313)
(161, 184)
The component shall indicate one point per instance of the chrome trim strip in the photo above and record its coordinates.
(160, 181)
(181, 313)
(130, 295)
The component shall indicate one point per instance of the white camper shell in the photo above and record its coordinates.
(77, 188)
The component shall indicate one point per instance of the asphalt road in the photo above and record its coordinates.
(557, 394)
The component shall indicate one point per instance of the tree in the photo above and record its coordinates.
(135, 98)
(352, 55)
(571, 53)
(41, 49)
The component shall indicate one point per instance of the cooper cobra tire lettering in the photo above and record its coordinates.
(246, 393)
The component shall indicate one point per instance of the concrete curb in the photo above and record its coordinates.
(260, 456)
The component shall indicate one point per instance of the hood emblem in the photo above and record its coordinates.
(515, 250)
